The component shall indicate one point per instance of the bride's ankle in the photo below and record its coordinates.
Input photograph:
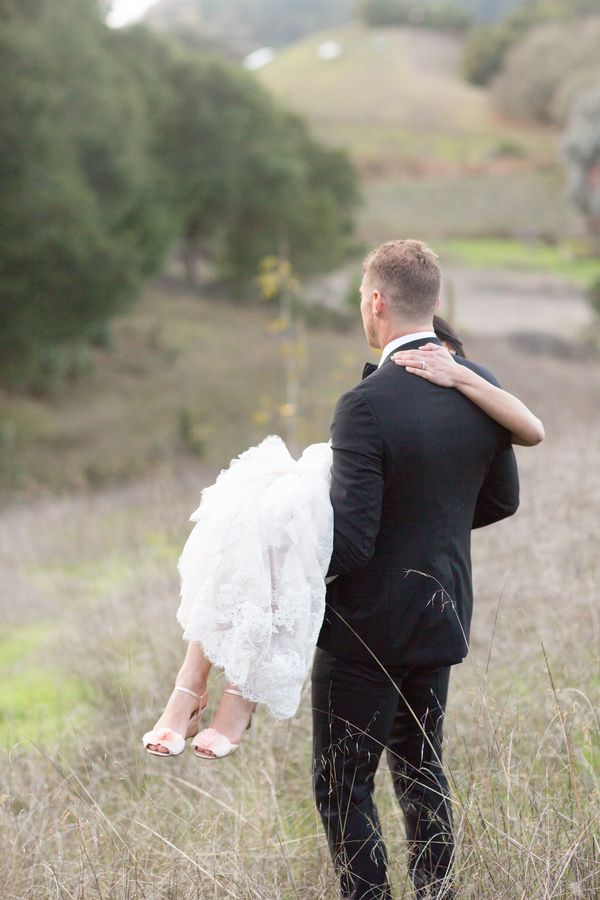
(191, 679)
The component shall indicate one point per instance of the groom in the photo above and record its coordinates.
(415, 468)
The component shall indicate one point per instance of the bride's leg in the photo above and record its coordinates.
(234, 713)
(194, 668)
(193, 674)
(232, 719)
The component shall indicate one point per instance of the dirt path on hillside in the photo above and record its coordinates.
(494, 302)
(486, 302)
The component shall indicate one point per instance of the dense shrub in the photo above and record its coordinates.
(485, 50)
(594, 296)
(117, 145)
(82, 221)
(488, 46)
(582, 154)
(536, 70)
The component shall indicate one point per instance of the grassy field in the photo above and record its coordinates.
(159, 392)
(90, 647)
(468, 207)
(192, 376)
(566, 258)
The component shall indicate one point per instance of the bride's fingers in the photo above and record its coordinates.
(424, 373)
(405, 356)
(410, 361)
(438, 362)
(417, 354)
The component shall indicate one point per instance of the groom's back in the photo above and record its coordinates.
(426, 466)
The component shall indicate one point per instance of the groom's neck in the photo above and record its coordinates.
(402, 329)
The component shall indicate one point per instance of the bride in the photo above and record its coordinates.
(253, 569)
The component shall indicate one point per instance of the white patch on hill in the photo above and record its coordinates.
(259, 58)
(125, 12)
(329, 50)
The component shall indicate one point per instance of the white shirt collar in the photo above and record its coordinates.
(398, 342)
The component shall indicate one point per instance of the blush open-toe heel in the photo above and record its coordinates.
(172, 740)
(218, 745)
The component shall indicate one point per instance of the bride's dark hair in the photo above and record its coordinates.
(446, 333)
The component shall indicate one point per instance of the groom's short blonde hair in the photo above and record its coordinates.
(407, 273)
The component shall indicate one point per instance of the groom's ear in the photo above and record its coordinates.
(438, 303)
(378, 302)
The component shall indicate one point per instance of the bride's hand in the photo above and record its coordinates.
(432, 362)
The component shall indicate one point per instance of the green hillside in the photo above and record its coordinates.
(395, 98)
(436, 157)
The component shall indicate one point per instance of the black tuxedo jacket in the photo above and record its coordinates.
(415, 468)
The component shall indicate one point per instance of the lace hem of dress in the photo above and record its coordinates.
(252, 571)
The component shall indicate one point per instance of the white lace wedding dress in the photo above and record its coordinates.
(253, 568)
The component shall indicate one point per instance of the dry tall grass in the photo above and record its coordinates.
(89, 596)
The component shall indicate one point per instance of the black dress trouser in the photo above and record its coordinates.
(359, 710)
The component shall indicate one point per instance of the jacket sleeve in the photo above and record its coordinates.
(499, 494)
(356, 483)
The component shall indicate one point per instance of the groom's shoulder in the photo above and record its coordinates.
(378, 385)
(480, 370)
(360, 399)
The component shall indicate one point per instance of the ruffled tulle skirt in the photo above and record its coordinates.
(252, 570)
